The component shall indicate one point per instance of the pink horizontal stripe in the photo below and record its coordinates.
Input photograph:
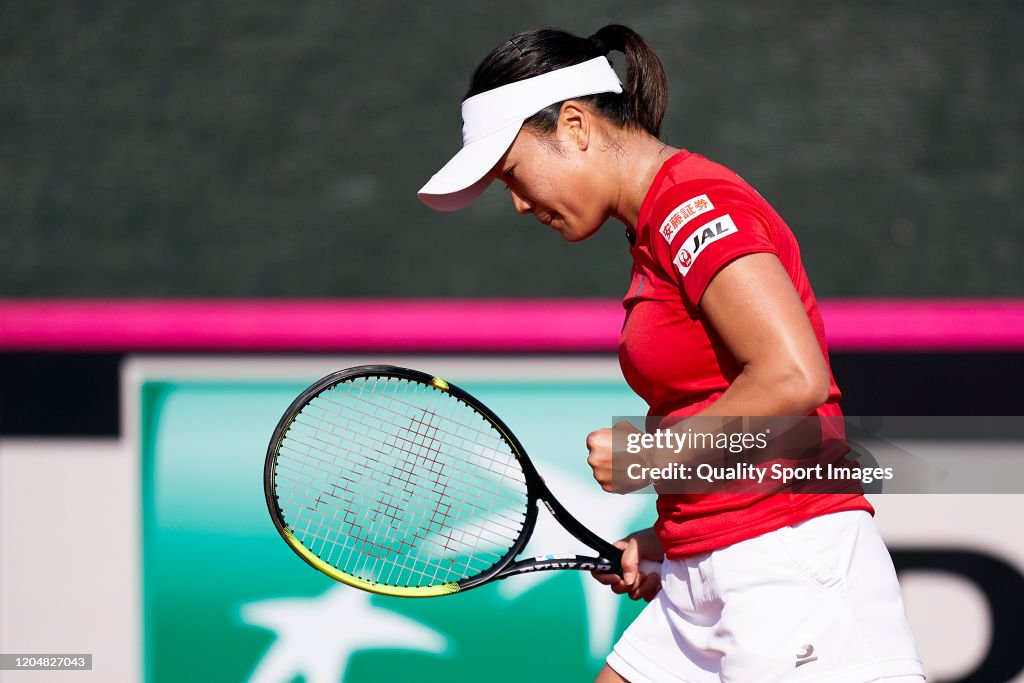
(459, 325)
(924, 324)
(273, 325)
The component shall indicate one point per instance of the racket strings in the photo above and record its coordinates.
(470, 469)
(493, 441)
(369, 546)
(425, 420)
(471, 466)
(397, 482)
(488, 433)
(375, 547)
(334, 493)
(435, 524)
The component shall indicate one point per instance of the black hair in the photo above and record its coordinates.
(644, 98)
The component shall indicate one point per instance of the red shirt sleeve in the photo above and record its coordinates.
(701, 226)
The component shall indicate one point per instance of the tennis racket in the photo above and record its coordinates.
(397, 482)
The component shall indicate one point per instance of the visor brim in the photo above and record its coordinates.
(465, 176)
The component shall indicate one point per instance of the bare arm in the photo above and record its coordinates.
(757, 312)
(754, 308)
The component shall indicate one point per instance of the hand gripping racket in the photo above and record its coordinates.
(397, 482)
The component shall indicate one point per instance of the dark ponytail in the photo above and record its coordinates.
(642, 103)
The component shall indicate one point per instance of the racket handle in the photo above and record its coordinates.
(650, 567)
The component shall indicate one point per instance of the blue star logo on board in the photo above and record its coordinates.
(314, 638)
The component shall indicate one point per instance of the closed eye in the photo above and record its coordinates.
(506, 176)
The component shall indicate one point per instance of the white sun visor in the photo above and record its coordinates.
(492, 119)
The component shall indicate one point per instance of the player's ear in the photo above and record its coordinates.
(574, 124)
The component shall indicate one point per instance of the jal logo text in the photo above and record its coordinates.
(700, 238)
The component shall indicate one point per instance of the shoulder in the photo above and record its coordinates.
(693, 186)
(702, 217)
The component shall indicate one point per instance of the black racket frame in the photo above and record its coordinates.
(609, 557)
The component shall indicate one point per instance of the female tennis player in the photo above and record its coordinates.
(720, 320)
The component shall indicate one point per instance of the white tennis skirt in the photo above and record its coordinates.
(815, 601)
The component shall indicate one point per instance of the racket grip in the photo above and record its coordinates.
(650, 567)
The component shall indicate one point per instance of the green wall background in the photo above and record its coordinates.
(225, 599)
(274, 149)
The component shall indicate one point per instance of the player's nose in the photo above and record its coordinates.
(522, 206)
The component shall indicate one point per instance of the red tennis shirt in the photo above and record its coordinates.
(696, 218)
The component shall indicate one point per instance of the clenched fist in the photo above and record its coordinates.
(616, 471)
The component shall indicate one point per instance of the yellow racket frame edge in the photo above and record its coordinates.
(338, 575)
